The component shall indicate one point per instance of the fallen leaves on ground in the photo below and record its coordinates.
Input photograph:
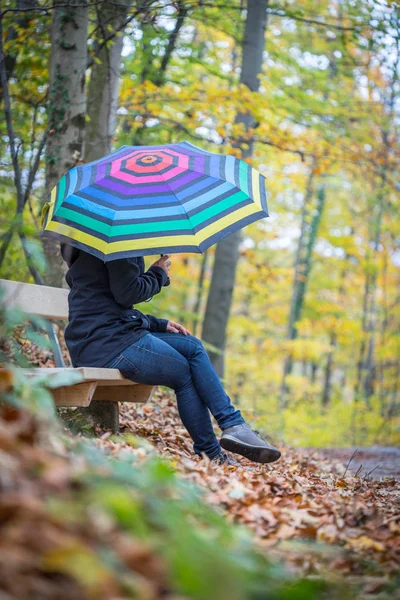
(305, 510)
(300, 499)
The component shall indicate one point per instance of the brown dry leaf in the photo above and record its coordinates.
(6, 380)
(341, 483)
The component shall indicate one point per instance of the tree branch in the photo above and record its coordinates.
(21, 195)
(10, 131)
(38, 279)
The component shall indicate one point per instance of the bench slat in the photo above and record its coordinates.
(103, 376)
(40, 300)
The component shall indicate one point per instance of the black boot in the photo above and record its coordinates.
(223, 458)
(243, 440)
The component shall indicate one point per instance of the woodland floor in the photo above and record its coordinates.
(332, 512)
(305, 511)
(307, 496)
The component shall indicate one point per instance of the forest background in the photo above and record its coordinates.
(301, 310)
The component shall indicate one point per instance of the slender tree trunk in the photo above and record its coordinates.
(199, 293)
(326, 392)
(294, 304)
(220, 298)
(327, 387)
(13, 149)
(22, 194)
(173, 38)
(376, 224)
(384, 324)
(67, 107)
(361, 355)
(369, 364)
(151, 70)
(185, 298)
(156, 72)
(314, 372)
(227, 253)
(104, 82)
(311, 218)
(302, 268)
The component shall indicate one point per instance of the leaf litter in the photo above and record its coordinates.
(307, 511)
(304, 508)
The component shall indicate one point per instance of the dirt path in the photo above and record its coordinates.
(378, 461)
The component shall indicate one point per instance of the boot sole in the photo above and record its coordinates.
(257, 454)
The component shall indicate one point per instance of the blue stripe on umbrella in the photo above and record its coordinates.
(132, 200)
(203, 198)
(111, 213)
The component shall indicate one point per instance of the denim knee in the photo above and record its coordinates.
(197, 345)
(197, 341)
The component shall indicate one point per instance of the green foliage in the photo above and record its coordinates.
(10, 318)
(28, 391)
(30, 394)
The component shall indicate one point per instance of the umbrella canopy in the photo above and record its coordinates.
(142, 200)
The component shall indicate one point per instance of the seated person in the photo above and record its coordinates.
(105, 330)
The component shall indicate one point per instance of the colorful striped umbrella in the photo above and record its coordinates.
(142, 200)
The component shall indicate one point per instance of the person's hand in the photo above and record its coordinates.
(177, 328)
(163, 262)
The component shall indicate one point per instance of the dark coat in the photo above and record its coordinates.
(102, 320)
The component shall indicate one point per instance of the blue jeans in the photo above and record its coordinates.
(181, 362)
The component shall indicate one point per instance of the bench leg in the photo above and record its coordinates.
(105, 414)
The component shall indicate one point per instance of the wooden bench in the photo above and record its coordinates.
(99, 390)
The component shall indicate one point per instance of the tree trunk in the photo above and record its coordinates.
(182, 11)
(104, 83)
(220, 298)
(360, 362)
(383, 330)
(22, 193)
(326, 392)
(227, 253)
(199, 293)
(302, 268)
(369, 365)
(151, 69)
(314, 372)
(67, 108)
(376, 221)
